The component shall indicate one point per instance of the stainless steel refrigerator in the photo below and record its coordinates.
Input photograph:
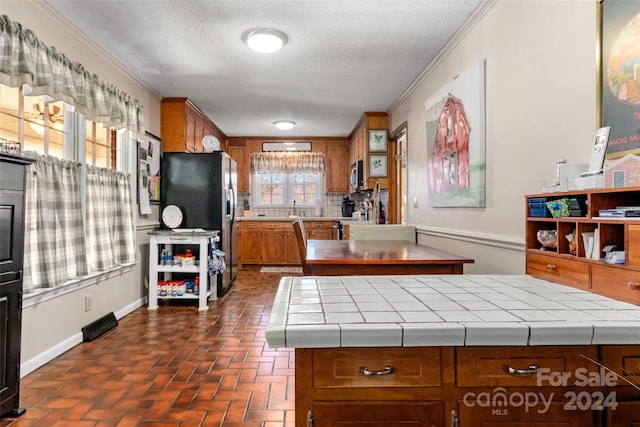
(203, 185)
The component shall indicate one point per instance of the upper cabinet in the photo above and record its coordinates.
(241, 156)
(337, 167)
(359, 146)
(183, 126)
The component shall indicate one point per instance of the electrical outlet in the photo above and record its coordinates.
(87, 303)
(415, 203)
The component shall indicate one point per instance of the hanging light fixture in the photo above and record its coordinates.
(54, 114)
(284, 124)
(265, 40)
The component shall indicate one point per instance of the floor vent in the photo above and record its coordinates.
(94, 329)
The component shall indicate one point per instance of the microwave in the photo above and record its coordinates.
(356, 180)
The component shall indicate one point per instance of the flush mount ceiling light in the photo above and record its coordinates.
(284, 124)
(265, 40)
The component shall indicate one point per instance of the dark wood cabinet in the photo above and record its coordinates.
(12, 185)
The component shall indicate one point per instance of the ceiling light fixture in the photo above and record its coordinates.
(265, 40)
(284, 124)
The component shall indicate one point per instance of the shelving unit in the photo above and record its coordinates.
(620, 281)
(166, 240)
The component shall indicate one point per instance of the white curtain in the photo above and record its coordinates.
(273, 162)
(110, 231)
(55, 250)
(25, 60)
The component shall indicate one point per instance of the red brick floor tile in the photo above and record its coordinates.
(172, 367)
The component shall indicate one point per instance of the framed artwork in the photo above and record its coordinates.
(378, 165)
(149, 153)
(618, 73)
(377, 140)
(456, 141)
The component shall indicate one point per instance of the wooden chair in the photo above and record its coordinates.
(298, 227)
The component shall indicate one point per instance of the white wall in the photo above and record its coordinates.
(540, 107)
(51, 327)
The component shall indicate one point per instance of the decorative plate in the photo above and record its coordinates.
(172, 216)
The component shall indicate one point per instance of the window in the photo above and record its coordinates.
(281, 189)
(79, 177)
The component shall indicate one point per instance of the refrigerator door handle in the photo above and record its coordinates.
(232, 192)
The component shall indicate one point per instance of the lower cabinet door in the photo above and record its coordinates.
(378, 414)
(626, 414)
(556, 414)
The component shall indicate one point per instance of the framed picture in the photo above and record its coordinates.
(149, 153)
(377, 140)
(378, 165)
(620, 88)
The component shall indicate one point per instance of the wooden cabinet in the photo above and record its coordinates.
(12, 191)
(250, 242)
(320, 230)
(387, 413)
(337, 169)
(183, 126)
(274, 242)
(241, 156)
(626, 414)
(576, 268)
(467, 386)
(555, 415)
(279, 244)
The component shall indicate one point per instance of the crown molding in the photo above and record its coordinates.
(74, 32)
(469, 24)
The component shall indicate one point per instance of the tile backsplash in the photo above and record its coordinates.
(331, 206)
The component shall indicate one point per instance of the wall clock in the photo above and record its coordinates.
(172, 216)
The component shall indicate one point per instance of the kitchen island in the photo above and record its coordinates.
(457, 350)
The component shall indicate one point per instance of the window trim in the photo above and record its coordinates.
(255, 190)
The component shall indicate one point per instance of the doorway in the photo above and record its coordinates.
(400, 135)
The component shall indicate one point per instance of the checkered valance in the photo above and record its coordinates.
(25, 60)
(273, 162)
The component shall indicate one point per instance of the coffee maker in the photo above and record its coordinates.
(348, 206)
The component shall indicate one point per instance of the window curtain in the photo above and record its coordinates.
(272, 162)
(110, 230)
(25, 60)
(55, 250)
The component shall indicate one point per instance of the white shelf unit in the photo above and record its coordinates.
(167, 239)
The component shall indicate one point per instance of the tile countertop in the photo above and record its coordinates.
(444, 310)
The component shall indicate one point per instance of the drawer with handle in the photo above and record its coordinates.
(519, 366)
(567, 271)
(377, 367)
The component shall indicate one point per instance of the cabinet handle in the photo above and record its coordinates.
(310, 422)
(455, 420)
(282, 234)
(388, 370)
(551, 267)
(634, 286)
(532, 370)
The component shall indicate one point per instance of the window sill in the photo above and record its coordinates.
(43, 295)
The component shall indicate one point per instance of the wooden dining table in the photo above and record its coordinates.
(379, 257)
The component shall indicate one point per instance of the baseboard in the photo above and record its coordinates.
(46, 356)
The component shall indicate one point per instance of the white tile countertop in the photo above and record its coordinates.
(444, 310)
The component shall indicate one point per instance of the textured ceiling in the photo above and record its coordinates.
(343, 57)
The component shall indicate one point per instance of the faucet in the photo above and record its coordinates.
(294, 207)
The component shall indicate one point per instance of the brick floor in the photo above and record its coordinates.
(172, 367)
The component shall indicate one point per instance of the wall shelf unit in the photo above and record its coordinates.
(579, 269)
